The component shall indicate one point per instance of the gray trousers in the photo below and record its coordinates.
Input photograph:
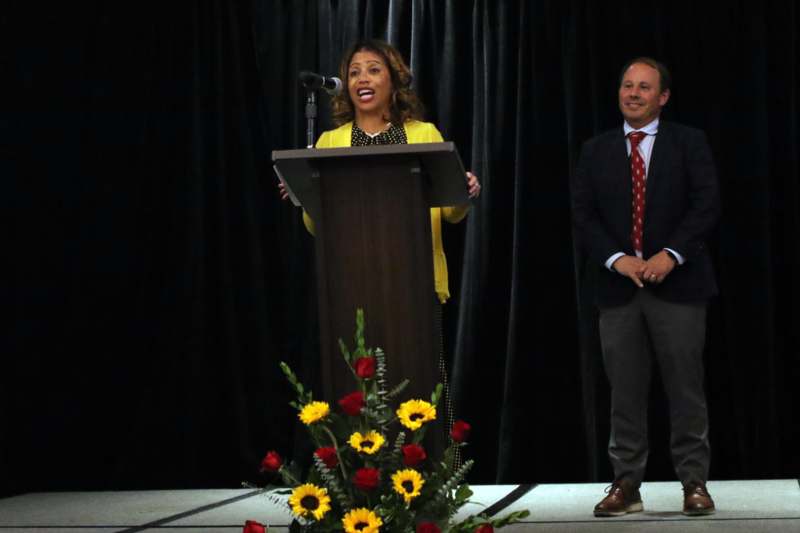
(634, 336)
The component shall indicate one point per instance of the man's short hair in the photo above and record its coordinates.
(663, 73)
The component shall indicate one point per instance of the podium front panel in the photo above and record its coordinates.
(374, 251)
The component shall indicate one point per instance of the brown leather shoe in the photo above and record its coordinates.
(696, 500)
(622, 499)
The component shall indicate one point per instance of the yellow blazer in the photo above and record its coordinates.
(417, 132)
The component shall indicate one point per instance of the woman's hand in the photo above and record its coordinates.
(473, 185)
(282, 190)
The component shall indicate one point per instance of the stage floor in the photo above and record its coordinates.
(742, 506)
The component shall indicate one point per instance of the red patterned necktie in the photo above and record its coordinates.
(638, 180)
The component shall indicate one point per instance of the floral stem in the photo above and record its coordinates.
(338, 455)
(288, 476)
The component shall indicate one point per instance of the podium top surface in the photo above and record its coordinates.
(438, 162)
(360, 151)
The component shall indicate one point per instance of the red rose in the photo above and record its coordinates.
(251, 526)
(272, 462)
(352, 403)
(328, 456)
(366, 478)
(484, 528)
(460, 433)
(428, 527)
(413, 454)
(365, 367)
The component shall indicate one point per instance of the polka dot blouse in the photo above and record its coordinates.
(392, 135)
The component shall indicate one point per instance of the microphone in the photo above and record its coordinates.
(310, 80)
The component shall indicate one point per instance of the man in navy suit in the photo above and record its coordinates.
(645, 197)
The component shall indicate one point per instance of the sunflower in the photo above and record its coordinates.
(407, 483)
(414, 413)
(309, 500)
(361, 521)
(314, 412)
(368, 443)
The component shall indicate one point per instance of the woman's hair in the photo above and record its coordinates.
(404, 105)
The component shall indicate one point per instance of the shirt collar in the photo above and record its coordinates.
(649, 129)
(386, 129)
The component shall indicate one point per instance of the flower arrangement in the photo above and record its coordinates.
(361, 481)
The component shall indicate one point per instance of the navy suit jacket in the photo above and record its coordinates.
(681, 208)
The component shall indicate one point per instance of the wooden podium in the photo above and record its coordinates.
(371, 209)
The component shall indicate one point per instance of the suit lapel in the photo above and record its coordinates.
(620, 164)
(616, 180)
(658, 159)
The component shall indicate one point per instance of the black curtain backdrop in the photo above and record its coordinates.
(155, 279)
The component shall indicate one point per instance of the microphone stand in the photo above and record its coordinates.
(311, 116)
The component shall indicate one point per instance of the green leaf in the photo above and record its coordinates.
(398, 389)
(290, 375)
(463, 493)
(510, 518)
(345, 352)
(360, 332)
(296, 385)
(437, 393)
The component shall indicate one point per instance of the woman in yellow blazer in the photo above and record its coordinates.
(380, 107)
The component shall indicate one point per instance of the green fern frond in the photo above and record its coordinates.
(332, 483)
